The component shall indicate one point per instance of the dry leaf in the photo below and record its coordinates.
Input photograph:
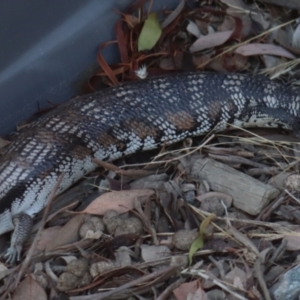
(259, 49)
(3, 271)
(184, 289)
(67, 234)
(47, 236)
(119, 201)
(29, 289)
(198, 295)
(237, 277)
(174, 14)
(238, 9)
(211, 40)
(193, 29)
(228, 24)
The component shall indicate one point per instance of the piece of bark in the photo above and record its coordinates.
(249, 194)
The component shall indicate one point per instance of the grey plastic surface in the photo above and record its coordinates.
(48, 51)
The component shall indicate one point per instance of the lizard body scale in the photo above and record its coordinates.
(119, 121)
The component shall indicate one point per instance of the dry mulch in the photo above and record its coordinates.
(211, 218)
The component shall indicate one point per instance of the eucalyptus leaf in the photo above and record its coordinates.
(199, 242)
(150, 33)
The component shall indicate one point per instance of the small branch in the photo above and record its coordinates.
(145, 278)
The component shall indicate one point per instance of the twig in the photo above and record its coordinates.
(170, 289)
(172, 159)
(146, 221)
(215, 281)
(266, 213)
(261, 281)
(145, 278)
(279, 251)
(237, 159)
(292, 196)
(264, 170)
(250, 222)
(219, 264)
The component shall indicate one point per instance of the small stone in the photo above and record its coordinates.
(130, 225)
(213, 205)
(67, 281)
(101, 267)
(292, 183)
(287, 287)
(85, 279)
(77, 267)
(112, 220)
(190, 196)
(183, 239)
(94, 224)
(109, 214)
(123, 256)
(179, 260)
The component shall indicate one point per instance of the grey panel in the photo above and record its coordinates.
(48, 51)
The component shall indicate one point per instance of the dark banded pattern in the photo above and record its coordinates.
(133, 117)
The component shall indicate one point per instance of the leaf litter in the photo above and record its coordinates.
(156, 225)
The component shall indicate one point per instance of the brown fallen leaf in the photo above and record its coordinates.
(181, 293)
(67, 234)
(257, 20)
(199, 294)
(237, 277)
(238, 9)
(211, 40)
(259, 49)
(48, 235)
(228, 24)
(171, 17)
(29, 289)
(119, 201)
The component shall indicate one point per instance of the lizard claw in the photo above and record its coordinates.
(23, 225)
(13, 254)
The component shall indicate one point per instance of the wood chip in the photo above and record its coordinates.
(249, 194)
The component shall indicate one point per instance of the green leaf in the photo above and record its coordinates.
(150, 33)
(198, 243)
